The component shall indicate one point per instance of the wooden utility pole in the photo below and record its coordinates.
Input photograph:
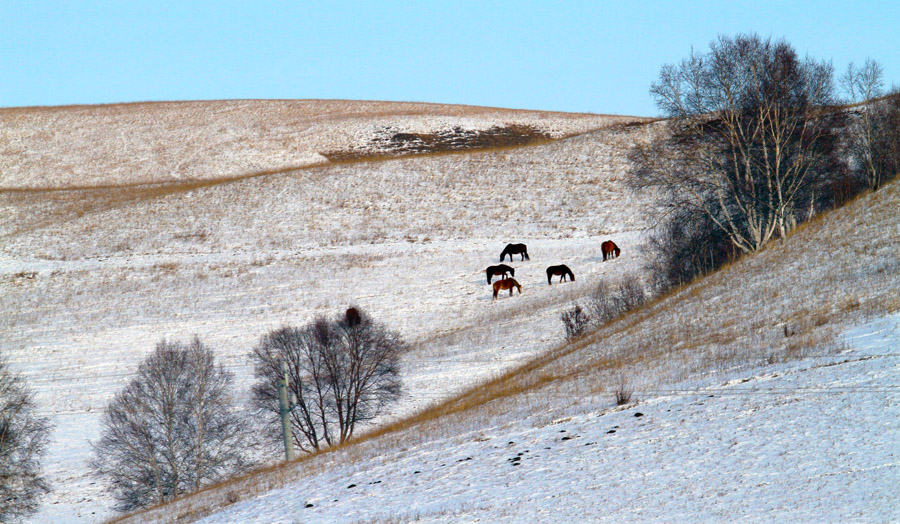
(284, 408)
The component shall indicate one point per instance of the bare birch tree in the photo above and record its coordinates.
(874, 136)
(172, 430)
(863, 85)
(23, 441)
(750, 138)
(342, 372)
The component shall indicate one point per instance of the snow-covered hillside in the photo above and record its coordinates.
(92, 279)
(812, 441)
(155, 142)
(767, 391)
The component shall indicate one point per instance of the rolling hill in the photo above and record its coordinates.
(100, 261)
(764, 391)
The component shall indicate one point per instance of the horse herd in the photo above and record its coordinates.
(609, 249)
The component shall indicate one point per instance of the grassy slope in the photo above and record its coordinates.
(91, 279)
(179, 142)
(787, 302)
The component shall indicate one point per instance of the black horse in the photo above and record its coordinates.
(502, 269)
(563, 271)
(514, 249)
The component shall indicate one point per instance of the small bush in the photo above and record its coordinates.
(623, 391)
(607, 302)
(686, 246)
(576, 321)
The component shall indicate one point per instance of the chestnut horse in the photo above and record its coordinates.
(502, 269)
(561, 271)
(610, 250)
(514, 249)
(506, 283)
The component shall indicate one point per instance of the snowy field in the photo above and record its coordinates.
(812, 441)
(767, 391)
(92, 279)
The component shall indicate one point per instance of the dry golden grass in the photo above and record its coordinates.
(169, 142)
(45, 207)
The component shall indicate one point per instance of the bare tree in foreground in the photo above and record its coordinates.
(172, 429)
(342, 372)
(23, 440)
(752, 140)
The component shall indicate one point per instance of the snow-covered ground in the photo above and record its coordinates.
(816, 440)
(759, 401)
(92, 279)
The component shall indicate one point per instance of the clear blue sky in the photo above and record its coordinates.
(592, 56)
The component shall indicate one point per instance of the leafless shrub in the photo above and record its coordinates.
(685, 246)
(575, 321)
(606, 303)
(623, 391)
(172, 429)
(342, 373)
(23, 441)
(610, 301)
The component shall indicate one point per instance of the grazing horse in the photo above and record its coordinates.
(514, 249)
(506, 283)
(560, 271)
(610, 250)
(502, 269)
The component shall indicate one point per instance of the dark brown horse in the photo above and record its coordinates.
(502, 269)
(610, 250)
(506, 283)
(561, 271)
(514, 249)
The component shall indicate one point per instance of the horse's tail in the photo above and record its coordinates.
(525, 252)
(488, 273)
